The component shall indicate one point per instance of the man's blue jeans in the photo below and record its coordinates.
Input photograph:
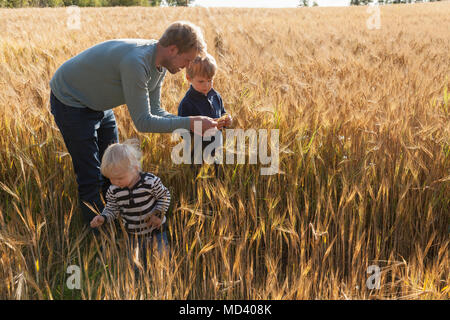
(87, 133)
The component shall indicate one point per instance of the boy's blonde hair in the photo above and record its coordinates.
(124, 156)
(203, 66)
(185, 35)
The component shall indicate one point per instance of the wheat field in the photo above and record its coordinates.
(363, 120)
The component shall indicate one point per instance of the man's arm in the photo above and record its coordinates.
(137, 98)
(155, 102)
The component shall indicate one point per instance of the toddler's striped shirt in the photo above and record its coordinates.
(135, 205)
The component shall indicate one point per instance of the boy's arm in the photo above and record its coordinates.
(161, 194)
(222, 109)
(111, 209)
(186, 109)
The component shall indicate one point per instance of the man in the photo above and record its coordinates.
(86, 87)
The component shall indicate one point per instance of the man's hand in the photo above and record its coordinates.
(199, 124)
(97, 221)
(154, 221)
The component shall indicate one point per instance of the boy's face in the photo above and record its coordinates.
(124, 178)
(201, 84)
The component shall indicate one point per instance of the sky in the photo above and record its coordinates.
(265, 3)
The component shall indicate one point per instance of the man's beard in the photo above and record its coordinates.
(167, 63)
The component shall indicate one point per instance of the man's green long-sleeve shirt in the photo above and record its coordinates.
(117, 72)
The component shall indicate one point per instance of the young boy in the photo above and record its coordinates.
(201, 99)
(139, 197)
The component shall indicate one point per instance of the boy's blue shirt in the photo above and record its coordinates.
(196, 103)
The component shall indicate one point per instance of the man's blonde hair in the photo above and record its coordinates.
(125, 156)
(185, 35)
(203, 66)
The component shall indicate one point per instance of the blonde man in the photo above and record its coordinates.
(86, 88)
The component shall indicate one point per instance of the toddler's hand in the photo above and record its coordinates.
(154, 222)
(97, 221)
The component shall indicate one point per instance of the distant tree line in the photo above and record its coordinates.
(91, 3)
(365, 2)
(308, 3)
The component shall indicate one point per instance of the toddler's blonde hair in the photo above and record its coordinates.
(203, 66)
(125, 156)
